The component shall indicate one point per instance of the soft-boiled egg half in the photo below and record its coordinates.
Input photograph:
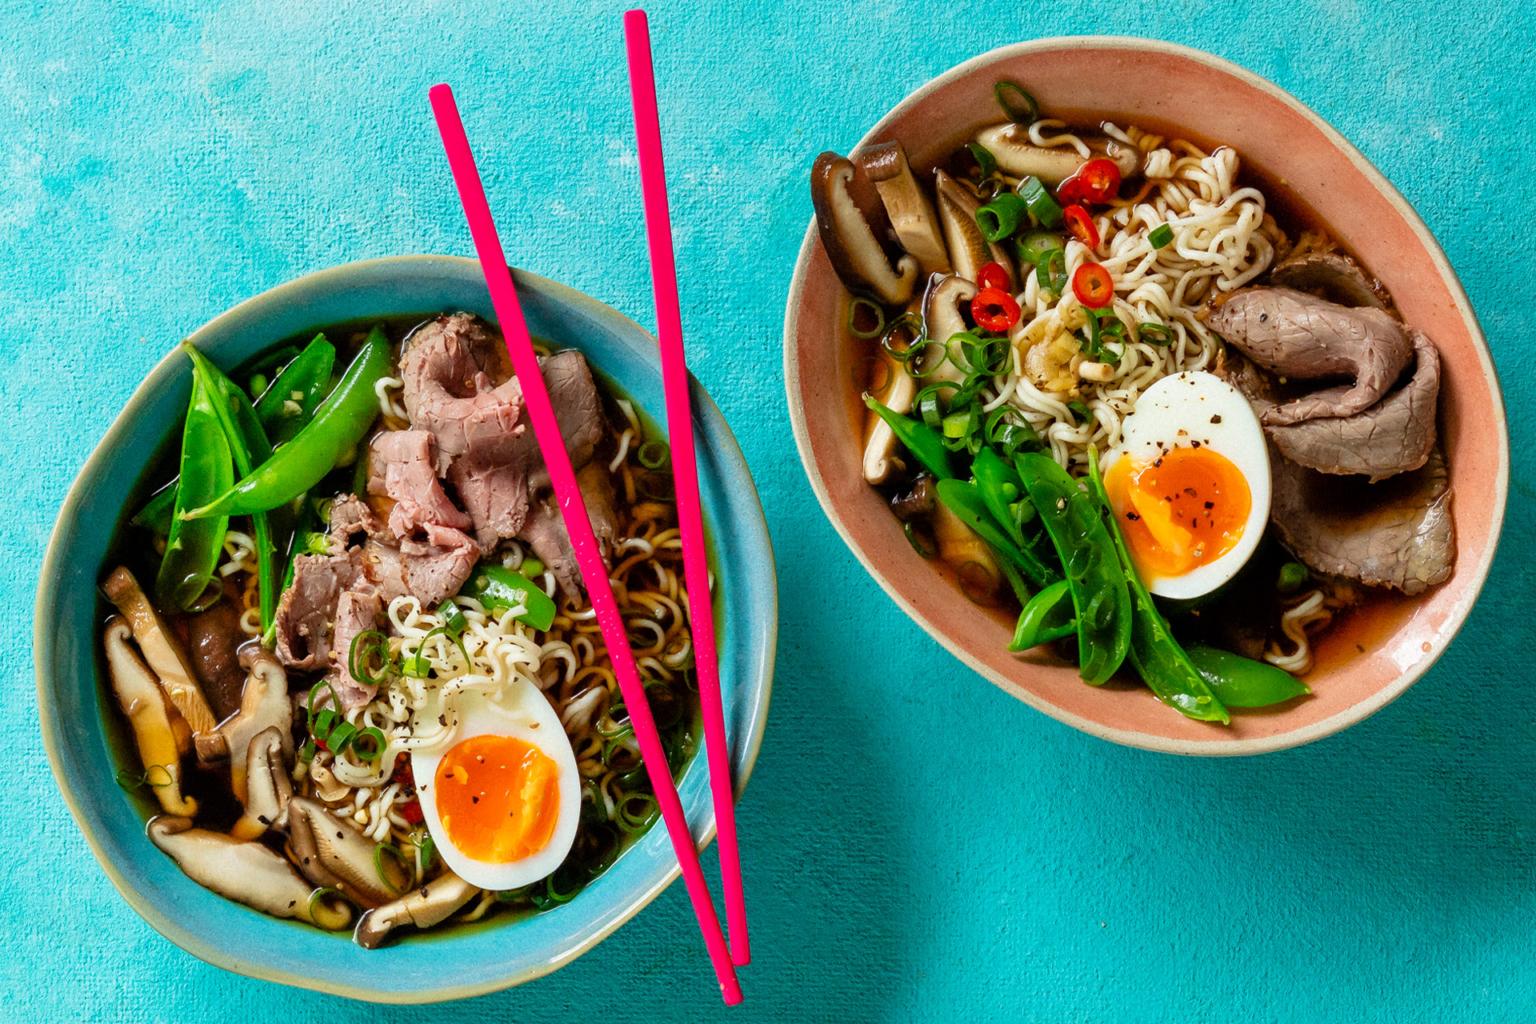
(1189, 484)
(502, 798)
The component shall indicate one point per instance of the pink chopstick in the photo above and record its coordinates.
(546, 429)
(674, 375)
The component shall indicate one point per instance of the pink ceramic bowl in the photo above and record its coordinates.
(1303, 162)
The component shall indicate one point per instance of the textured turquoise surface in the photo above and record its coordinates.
(918, 846)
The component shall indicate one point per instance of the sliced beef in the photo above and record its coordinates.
(455, 385)
(495, 495)
(1302, 337)
(1333, 276)
(496, 491)
(457, 388)
(1393, 436)
(573, 393)
(358, 610)
(546, 534)
(1397, 533)
(213, 638)
(352, 522)
(308, 607)
(402, 465)
(438, 566)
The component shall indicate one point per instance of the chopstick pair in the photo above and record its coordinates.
(546, 429)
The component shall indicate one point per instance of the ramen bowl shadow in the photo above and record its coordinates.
(1375, 654)
(424, 967)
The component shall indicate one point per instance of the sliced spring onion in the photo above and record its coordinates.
(957, 425)
(1160, 236)
(924, 356)
(1034, 246)
(875, 317)
(340, 736)
(1001, 217)
(368, 744)
(1154, 333)
(918, 541)
(322, 893)
(1051, 271)
(654, 454)
(635, 812)
(452, 617)
(1045, 210)
(1292, 577)
(368, 659)
(381, 851)
(1018, 105)
(984, 159)
(532, 568)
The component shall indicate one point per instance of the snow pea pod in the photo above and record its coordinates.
(1046, 617)
(965, 501)
(193, 546)
(1158, 658)
(499, 588)
(1241, 682)
(1099, 595)
(248, 446)
(306, 377)
(158, 511)
(339, 424)
(1000, 487)
(922, 441)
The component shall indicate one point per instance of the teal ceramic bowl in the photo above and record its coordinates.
(422, 967)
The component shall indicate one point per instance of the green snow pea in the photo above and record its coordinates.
(1241, 682)
(1158, 658)
(1099, 596)
(339, 424)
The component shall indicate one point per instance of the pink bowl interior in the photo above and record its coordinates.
(1304, 166)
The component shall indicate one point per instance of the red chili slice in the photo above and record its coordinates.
(993, 275)
(1092, 285)
(1097, 181)
(411, 812)
(994, 310)
(1081, 225)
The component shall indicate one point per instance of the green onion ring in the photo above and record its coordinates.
(341, 736)
(379, 851)
(369, 641)
(985, 161)
(653, 454)
(1154, 333)
(324, 892)
(452, 616)
(639, 818)
(1018, 105)
(877, 314)
(918, 542)
(919, 358)
(375, 744)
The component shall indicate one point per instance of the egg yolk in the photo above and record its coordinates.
(1180, 511)
(498, 798)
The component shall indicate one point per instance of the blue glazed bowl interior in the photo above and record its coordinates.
(463, 960)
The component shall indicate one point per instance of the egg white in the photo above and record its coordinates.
(523, 714)
(1176, 412)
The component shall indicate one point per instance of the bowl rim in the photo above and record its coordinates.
(1478, 573)
(158, 376)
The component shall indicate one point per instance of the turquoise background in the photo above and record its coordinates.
(917, 845)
